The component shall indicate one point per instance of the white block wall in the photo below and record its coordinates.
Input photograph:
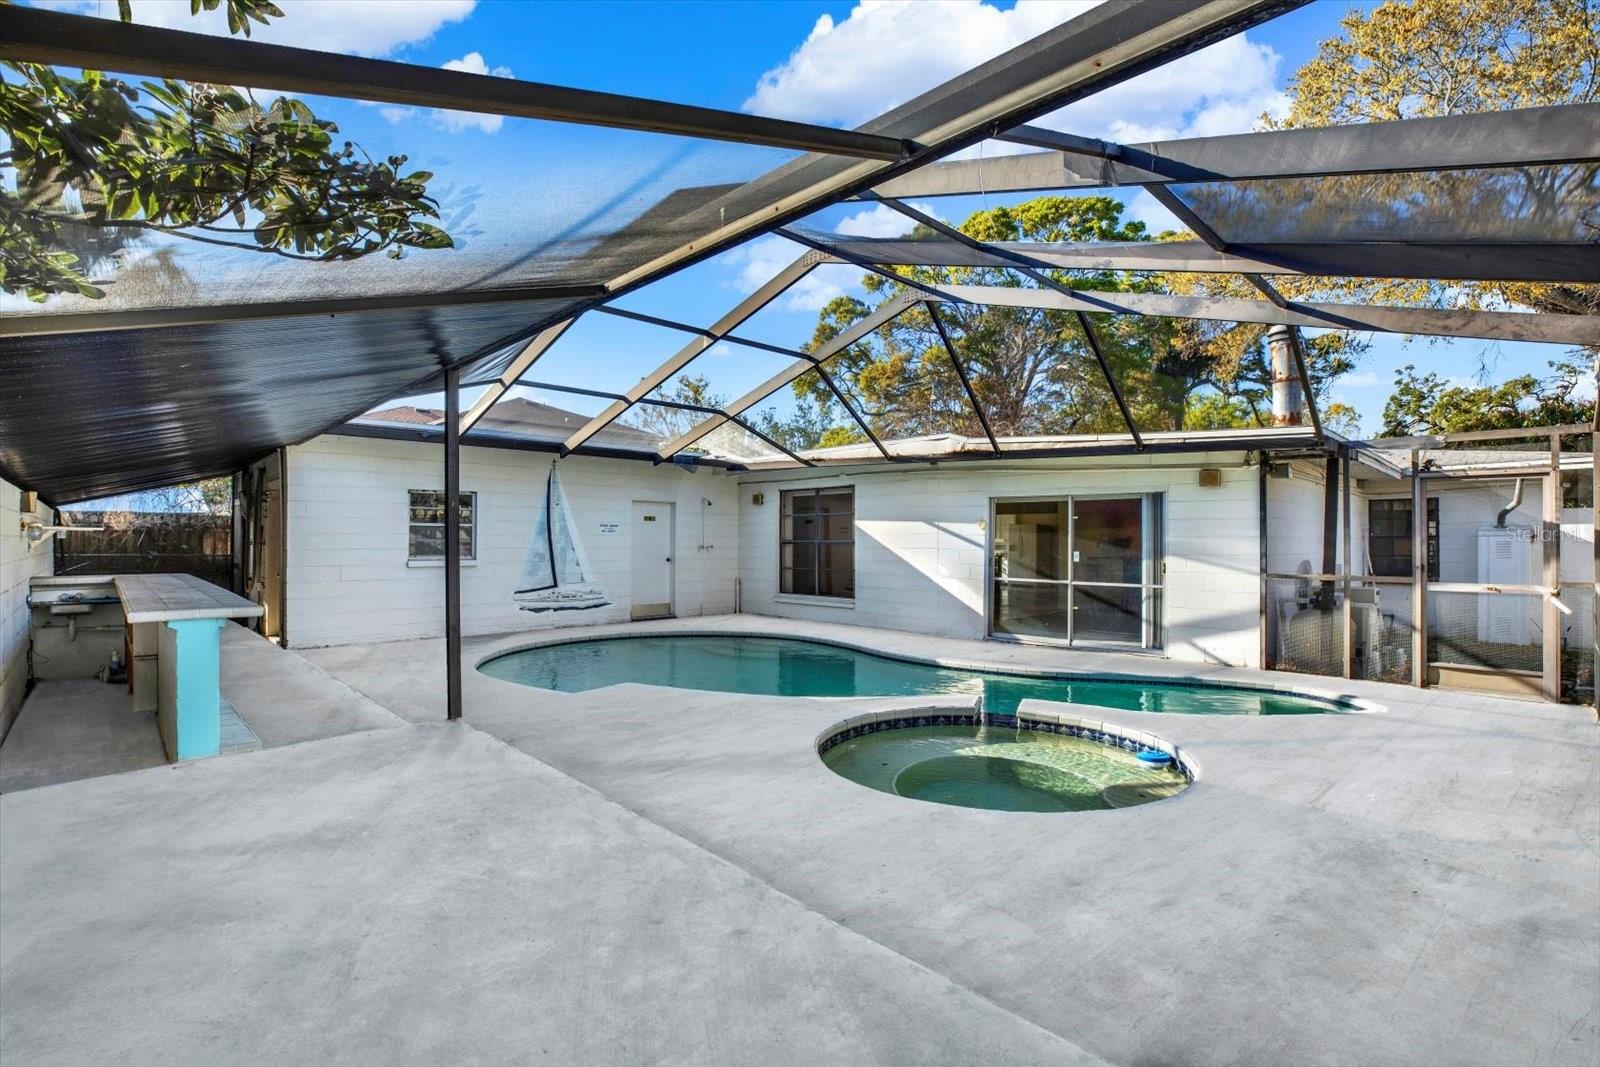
(921, 551)
(1464, 507)
(350, 582)
(17, 564)
(1294, 520)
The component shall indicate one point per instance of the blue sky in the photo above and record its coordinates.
(511, 183)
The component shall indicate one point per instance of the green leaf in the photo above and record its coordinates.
(91, 149)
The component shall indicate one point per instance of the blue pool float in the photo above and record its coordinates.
(1152, 758)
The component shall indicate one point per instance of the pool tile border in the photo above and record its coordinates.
(1101, 733)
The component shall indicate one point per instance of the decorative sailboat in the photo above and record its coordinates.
(555, 573)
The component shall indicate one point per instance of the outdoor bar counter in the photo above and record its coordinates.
(172, 632)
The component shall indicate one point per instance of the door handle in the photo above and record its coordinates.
(669, 559)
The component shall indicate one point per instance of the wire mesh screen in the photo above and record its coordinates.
(1577, 645)
(135, 542)
(1305, 627)
(1542, 203)
(1481, 534)
(429, 202)
(1381, 632)
(1500, 632)
(1577, 577)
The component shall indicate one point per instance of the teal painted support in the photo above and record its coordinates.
(197, 680)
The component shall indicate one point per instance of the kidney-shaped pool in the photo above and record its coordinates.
(781, 666)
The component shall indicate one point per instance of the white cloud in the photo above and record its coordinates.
(885, 52)
(1362, 380)
(456, 121)
(758, 261)
(1150, 211)
(1223, 88)
(364, 28)
(880, 220)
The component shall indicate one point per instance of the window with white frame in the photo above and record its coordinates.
(425, 536)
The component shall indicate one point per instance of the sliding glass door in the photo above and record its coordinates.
(1084, 570)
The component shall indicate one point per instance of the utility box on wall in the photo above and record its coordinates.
(1505, 557)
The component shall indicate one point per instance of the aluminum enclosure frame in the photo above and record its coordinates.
(1101, 47)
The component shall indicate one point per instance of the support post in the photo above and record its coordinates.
(1265, 475)
(452, 542)
(1330, 530)
(1349, 563)
(283, 548)
(1419, 573)
(1550, 546)
(236, 532)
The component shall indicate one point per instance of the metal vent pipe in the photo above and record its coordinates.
(1288, 399)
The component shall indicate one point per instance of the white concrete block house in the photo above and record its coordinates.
(18, 563)
(1165, 549)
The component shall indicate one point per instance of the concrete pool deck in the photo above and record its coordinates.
(637, 873)
(71, 730)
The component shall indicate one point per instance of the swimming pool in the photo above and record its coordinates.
(781, 666)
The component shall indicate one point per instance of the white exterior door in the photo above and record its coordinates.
(652, 559)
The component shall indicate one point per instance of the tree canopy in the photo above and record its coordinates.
(666, 422)
(1031, 369)
(1428, 404)
(1418, 58)
(1406, 59)
(99, 163)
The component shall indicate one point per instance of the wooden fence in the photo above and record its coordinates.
(148, 543)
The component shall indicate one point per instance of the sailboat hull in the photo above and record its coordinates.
(561, 598)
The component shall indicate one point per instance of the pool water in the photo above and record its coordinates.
(1000, 769)
(776, 666)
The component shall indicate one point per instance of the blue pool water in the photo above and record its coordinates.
(773, 666)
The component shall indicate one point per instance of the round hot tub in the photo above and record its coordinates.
(1055, 764)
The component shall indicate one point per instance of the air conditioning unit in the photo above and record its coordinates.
(1505, 557)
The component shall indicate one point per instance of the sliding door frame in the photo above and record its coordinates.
(1152, 587)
